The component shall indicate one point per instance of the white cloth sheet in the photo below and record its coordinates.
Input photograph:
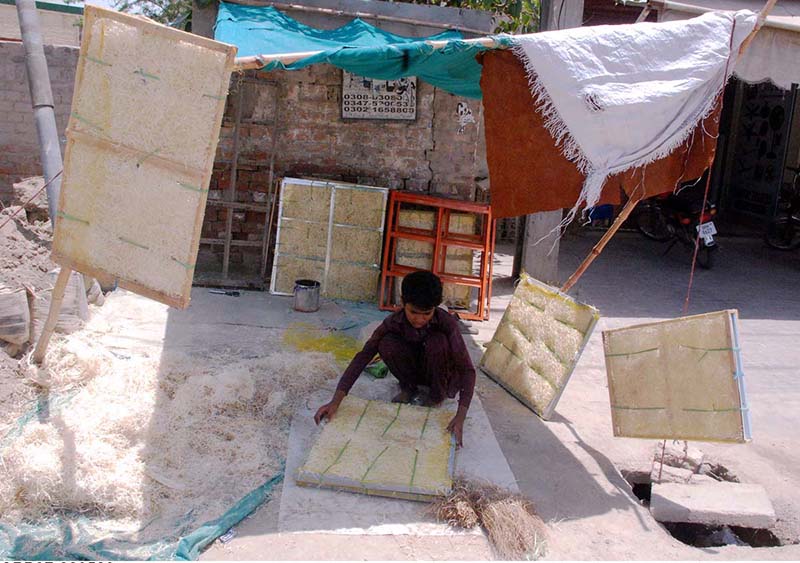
(774, 54)
(618, 97)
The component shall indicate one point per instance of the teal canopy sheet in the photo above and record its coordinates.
(357, 47)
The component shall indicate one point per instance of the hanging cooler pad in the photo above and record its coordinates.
(538, 343)
(680, 379)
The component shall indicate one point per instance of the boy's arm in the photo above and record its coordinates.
(464, 368)
(361, 360)
(466, 372)
(351, 374)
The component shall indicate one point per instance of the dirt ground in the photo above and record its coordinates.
(24, 261)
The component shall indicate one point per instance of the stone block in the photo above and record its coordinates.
(699, 479)
(680, 454)
(715, 504)
(669, 474)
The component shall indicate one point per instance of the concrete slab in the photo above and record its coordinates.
(716, 504)
(304, 509)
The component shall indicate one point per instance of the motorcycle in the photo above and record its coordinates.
(680, 217)
(783, 231)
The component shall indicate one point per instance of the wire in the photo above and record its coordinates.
(705, 194)
(697, 241)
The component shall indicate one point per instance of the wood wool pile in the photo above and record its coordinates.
(154, 437)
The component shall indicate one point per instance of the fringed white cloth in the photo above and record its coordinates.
(617, 97)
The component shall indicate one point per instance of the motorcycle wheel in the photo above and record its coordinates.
(651, 223)
(783, 233)
(705, 256)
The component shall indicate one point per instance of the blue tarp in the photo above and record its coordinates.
(357, 47)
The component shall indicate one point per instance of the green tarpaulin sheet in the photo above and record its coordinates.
(357, 47)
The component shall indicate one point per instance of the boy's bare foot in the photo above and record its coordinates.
(403, 397)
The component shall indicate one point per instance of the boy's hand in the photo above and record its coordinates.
(326, 411)
(329, 409)
(456, 426)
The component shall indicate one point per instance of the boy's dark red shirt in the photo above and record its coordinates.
(461, 376)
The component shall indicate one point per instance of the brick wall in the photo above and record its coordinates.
(437, 153)
(19, 148)
(433, 154)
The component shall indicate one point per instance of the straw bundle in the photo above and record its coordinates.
(511, 523)
(149, 434)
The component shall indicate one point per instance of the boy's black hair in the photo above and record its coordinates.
(422, 289)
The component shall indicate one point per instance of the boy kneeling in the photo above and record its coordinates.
(421, 345)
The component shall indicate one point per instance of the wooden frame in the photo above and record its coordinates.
(516, 371)
(678, 379)
(326, 261)
(441, 238)
(78, 135)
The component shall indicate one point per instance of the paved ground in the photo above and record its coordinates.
(570, 465)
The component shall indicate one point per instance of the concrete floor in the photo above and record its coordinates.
(570, 466)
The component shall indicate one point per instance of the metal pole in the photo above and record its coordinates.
(41, 100)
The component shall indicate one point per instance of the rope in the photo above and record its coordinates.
(697, 242)
(31, 199)
(335, 461)
(361, 417)
(708, 185)
(371, 465)
(413, 471)
(425, 424)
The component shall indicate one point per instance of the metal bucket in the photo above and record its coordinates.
(306, 295)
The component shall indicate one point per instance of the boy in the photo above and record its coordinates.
(421, 345)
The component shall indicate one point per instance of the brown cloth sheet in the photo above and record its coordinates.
(528, 173)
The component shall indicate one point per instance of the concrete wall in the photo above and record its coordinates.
(19, 149)
(58, 28)
(472, 22)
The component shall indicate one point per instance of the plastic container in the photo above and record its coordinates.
(306, 296)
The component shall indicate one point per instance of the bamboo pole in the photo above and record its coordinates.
(626, 211)
(762, 17)
(56, 299)
(601, 244)
(260, 61)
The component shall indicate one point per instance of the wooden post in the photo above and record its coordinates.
(231, 193)
(601, 244)
(56, 299)
(272, 191)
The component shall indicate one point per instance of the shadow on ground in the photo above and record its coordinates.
(634, 278)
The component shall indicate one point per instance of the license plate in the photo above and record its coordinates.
(707, 231)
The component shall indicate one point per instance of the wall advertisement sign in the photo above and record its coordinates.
(367, 98)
